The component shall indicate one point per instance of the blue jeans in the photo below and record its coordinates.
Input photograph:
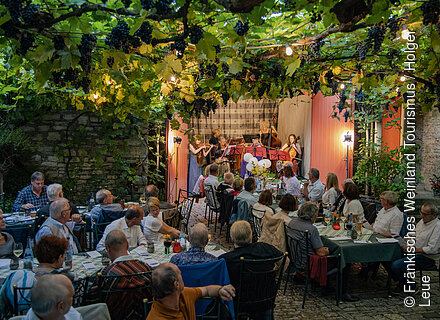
(399, 269)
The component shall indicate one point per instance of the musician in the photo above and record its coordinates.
(256, 141)
(268, 134)
(197, 156)
(222, 161)
(222, 146)
(214, 141)
(289, 146)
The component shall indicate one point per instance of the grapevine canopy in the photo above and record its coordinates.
(155, 57)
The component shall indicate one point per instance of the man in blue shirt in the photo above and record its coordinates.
(198, 237)
(33, 196)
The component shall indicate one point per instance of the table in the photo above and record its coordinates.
(140, 252)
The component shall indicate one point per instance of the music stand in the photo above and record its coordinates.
(256, 151)
(279, 155)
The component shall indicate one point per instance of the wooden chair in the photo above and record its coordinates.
(259, 282)
(22, 300)
(298, 250)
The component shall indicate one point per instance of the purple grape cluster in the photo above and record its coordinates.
(58, 42)
(179, 46)
(88, 43)
(241, 28)
(26, 42)
(144, 32)
(195, 34)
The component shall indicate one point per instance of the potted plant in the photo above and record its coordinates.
(435, 183)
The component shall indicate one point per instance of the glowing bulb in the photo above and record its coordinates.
(342, 86)
(289, 51)
(95, 96)
(405, 34)
(397, 89)
(109, 82)
(173, 78)
(402, 78)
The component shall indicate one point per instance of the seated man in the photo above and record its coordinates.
(226, 185)
(241, 235)
(423, 253)
(54, 192)
(244, 201)
(104, 200)
(389, 220)
(307, 215)
(51, 298)
(33, 196)
(127, 305)
(198, 237)
(152, 191)
(313, 190)
(212, 179)
(130, 225)
(60, 224)
(173, 301)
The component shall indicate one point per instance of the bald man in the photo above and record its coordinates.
(173, 301)
(51, 299)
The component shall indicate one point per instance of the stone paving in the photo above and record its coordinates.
(374, 301)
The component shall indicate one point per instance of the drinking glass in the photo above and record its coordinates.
(327, 219)
(167, 244)
(18, 249)
(359, 228)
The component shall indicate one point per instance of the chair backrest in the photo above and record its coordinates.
(22, 299)
(298, 245)
(184, 194)
(81, 287)
(211, 198)
(98, 231)
(404, 229)
(370, 212)
(259, 282)
(257, 222)
(109, 215)
(205, 274)
(124, 294)
(185, 208)
(226, 207)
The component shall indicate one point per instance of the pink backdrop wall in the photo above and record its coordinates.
(172, 162)
(327, 151)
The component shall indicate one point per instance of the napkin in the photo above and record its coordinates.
(217, 253)
(93, 254)
(141, 251)
(387, 240)
(359, 241)
(319, 226)
(89, 265)
(4, 263)
(340, 238)
(151, 262)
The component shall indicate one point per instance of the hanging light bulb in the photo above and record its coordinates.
(289, 51)
(342, 86)
(402, 78)
(173, 78)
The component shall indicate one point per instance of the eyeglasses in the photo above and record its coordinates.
(66, 210)
(424, 213)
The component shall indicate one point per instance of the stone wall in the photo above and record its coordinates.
(429, 134)
(72, 151)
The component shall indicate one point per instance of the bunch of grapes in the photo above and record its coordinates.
(145, 32)
(430, 10)
(393, 25)
(315, 48)
(315, 17)
(58, 42)
(57, 78)
(162, 7)
(341, 104)
(110, 62)
(118, 38)
(10, 31)
(362, 49)
(88, 42)
(26, 42)
(315, 84)
(62, 77)
(346, 115)
(225, 68)
(147, 4)
(28, 14)
(376, 35)
(179, 46)
(14, 7)
(332, 83)
(71, 74)
(225, 98)
(240, 28)
(195, 34)
(126, 3)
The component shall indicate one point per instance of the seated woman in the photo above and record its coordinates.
(7, 242)
(264, 202)
(352, 205)
(331, 191)
(237, 186)
(287, 204)
(50, 252)
(153, 224)
(291, 183)
(339, 203)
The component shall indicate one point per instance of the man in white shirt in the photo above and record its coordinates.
(423, 254)
(130, 225)
(314, 190)
(212, 179)
(389, 220)
(59, 224)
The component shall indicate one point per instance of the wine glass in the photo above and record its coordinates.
(167, 244)
(327, 219)
(18, 249)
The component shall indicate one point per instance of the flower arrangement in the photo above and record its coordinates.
(257, 168)
(435, 183)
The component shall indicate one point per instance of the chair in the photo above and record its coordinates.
(81, 288)
(370, 211)
(257, 222)
(22, 300)
(225, 208)
(404, 229)
(434, 268)
(259, 281)
(212, 204)
(205, 274)
(98, 231)
(185, 208)
(298, 250)
(124, 294)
